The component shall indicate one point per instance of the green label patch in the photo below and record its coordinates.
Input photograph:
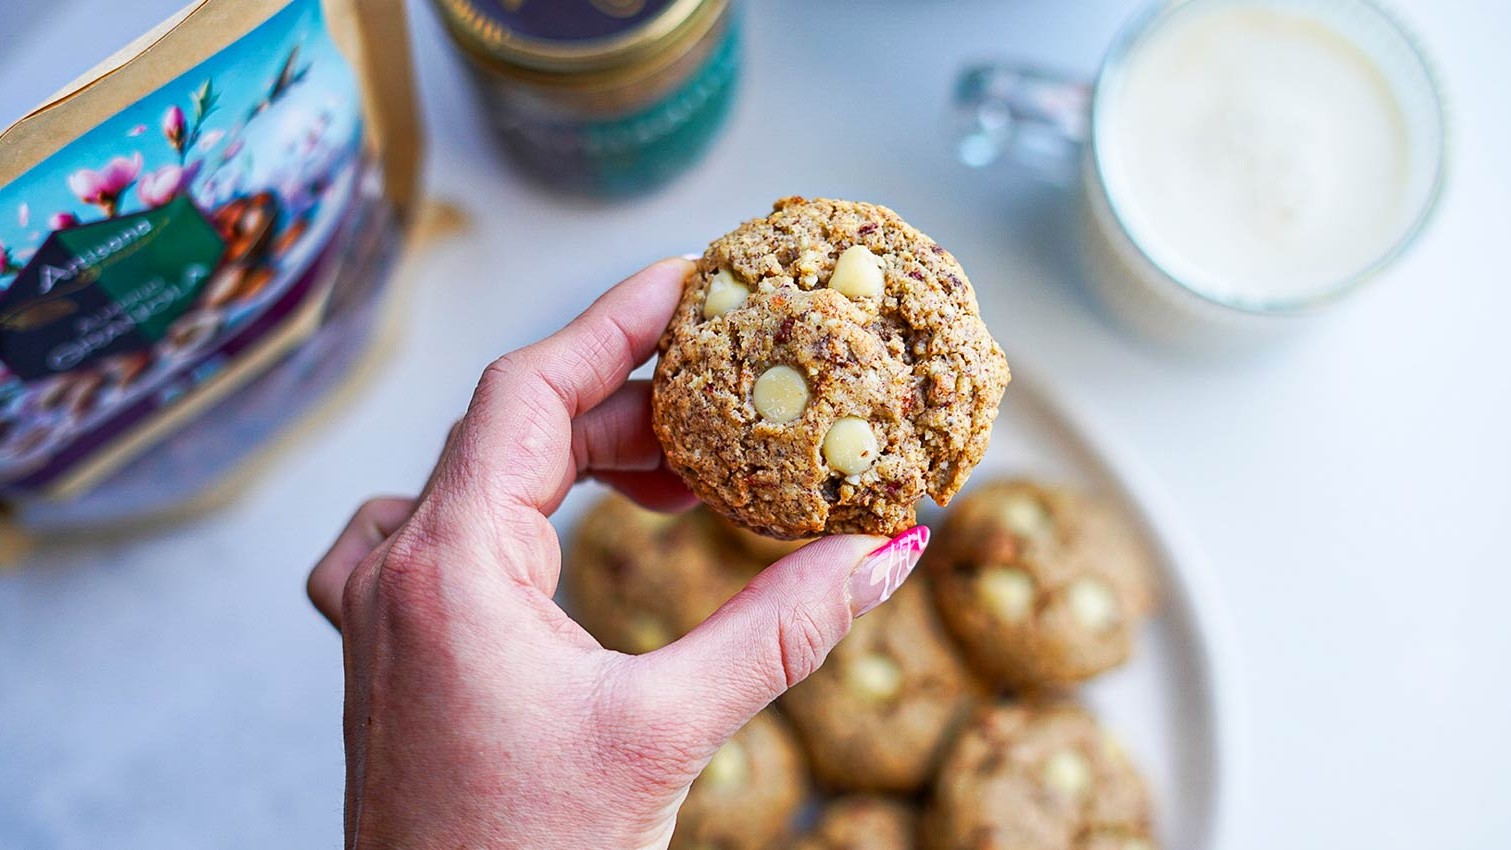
(106, 288)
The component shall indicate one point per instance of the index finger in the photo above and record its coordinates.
(517, 434)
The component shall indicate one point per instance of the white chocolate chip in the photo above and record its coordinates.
(724, 294)
(1009, 591)
(850, 446)
(655, 520)
(729, 768)
(1068, 772)
(857, 273)
(1093, 604)
(647, 634)
(1025, 515)
(874, 676)
(1111, 746)
(780, 394)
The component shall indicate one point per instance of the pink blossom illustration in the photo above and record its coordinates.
(174, 127)
(23, 214)
(62, 220)
(161, 186)
(7, 265)
(210, 140)
(136, 131)
(103, 188)
(184, 132)
(232, 149)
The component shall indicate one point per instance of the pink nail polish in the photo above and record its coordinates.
(884, 570)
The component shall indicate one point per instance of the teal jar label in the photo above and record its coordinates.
(649, 147)
(629, 153)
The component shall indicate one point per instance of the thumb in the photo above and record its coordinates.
(778, 630)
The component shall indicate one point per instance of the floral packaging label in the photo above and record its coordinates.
(139, 260)
(104, 289)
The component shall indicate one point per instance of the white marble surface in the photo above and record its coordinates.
(1353, 487)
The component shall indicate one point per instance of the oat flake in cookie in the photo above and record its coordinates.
(826, 369)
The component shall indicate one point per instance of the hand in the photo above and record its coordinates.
(477, 713)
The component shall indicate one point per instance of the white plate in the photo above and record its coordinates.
(1172, 705)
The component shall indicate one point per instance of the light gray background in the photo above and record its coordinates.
(1353, 488)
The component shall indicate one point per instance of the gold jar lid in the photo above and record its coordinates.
(573, 36)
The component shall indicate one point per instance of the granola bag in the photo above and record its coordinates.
(193, 239)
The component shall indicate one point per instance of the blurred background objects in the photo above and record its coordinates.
(1350, 485)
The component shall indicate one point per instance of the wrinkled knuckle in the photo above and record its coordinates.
(407, 576)
(611, 341)
(503, 369)
(354, 594)
(803, 641)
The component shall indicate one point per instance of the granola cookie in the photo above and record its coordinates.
(746, 797)
(826, 369)
(765, 549)
(1041, 585)
(875, 716)
(638, 580)
(863, 823)
(1037, 777)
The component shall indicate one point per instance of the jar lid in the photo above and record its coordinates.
(567, 36)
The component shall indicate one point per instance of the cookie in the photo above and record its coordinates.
(746, 797)
(863, 823)
(766, 550)
(876, 714)
(1037, 777)
(637, 580)
(826, 368)
(1041, 585)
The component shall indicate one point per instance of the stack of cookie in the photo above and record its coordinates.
(945, 720)
(827, 368)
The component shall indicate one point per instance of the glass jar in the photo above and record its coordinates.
(1297, 234)
(601, 97)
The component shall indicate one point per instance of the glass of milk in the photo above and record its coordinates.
(1242, 163)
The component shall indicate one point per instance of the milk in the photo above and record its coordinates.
(1255, 153)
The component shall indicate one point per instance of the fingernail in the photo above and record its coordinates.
(884, 570)
(692, 258)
